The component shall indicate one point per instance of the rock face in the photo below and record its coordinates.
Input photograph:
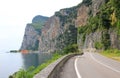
(87, 8)
(104, 36)
(92, 38)
(60, 30)
(32, 33)
(55, 36)
(30, 40)
(114, 39)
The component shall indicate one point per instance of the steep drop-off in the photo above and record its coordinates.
(102, 30)
(90, 24)
(32, 33)
(60, 30)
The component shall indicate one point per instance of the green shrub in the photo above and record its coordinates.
(106, 40)
(71, 49)
(23, 73)
(98, 45)
(32, 71)
(87, 2)
(112, 51)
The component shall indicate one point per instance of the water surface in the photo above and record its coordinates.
(12, 62)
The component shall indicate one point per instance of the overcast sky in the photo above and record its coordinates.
(15, 14)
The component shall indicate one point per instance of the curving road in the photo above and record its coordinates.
(91, 65)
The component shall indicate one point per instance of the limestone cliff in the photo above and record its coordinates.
(102, 28)
(32, 33)
(61, 29)
(30, 38)
(91, 23)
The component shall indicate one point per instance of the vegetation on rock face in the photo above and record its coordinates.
(39, 18)
(87, 2)
(67, 16)
(38, 22)
(67, 20)
(98, 45)
(69, 37)
(71, 49)
(35, 48)
(107, 18)
(32, 33)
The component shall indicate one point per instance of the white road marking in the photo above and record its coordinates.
(76, 69)
(104, 64)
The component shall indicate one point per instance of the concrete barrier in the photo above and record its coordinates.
(53, 70)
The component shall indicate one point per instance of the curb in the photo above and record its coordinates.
(53, 70)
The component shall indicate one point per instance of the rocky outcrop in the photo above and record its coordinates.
(99, 31)
(32, 33)
(92, 38)
(30, 40)
(49, 32)
(61, 29)
(114, 39)
(58, 32)
(86, 9)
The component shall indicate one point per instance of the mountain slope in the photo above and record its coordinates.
(90, 24)
(32, 33)
(60, 30)
(102, 30)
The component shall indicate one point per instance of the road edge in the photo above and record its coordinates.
(53, 70)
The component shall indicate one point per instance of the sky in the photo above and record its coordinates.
(15, 14)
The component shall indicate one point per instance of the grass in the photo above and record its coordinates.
(33, 71)
(112, 53)
(42, 66)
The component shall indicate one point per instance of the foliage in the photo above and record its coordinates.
(118, 27)
(113, 18)
(71, 49)
(112, 53)
(38, 22)
(34, 48)
(23, 73)
(39, 18)
(69, 37)
(106, 40)
(87, 2)
(38, 26)
(116, 5)
(116, 51)
(32, 71)
(42, 66)
(67, 15)
(98, 45)
(107, 18)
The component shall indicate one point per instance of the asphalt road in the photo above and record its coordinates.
(91, 65)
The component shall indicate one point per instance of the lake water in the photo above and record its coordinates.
(12, 62)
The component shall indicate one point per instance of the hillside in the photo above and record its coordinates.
(90, 24)
(60, 31)
(102, 31)
(32, 33)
